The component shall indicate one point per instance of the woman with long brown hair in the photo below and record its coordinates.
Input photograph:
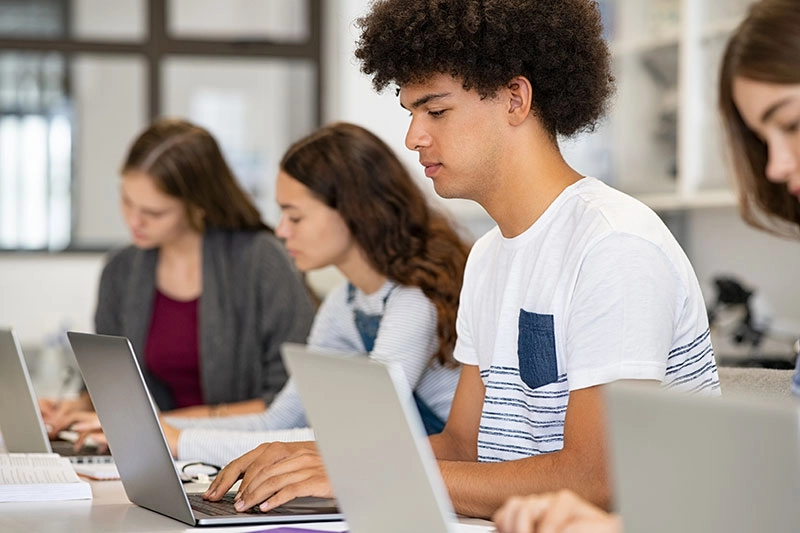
(205, 292)
(347, 201)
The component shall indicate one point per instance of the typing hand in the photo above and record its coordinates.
(556, 512)
(58, 415)
(90, 434)
(273, 473)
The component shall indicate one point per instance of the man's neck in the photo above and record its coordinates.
(528, 182)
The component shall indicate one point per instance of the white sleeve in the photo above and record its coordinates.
(407, 333)
(219, 447)
(250, 422)
(285, 412)
(464, 351)
(623, 312)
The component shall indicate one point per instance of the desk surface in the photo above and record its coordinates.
(110, 511)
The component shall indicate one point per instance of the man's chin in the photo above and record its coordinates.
(444, 191)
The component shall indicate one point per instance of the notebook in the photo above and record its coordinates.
(696, 464)
(20, 420)
(372, 441)
(151, 480)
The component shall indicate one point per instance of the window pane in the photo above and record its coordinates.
(255, 109)
(35, 157)
(272, 20)
(32, 18)
(109, 20)
(110, 109)
(33, 185)
(9, 190)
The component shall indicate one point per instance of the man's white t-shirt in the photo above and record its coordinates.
(596, 290)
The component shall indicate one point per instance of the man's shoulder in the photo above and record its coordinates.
(485, 243)
(603, 210)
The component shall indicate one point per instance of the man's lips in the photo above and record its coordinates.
(430, 168)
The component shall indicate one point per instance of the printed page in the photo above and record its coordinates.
(39, 477)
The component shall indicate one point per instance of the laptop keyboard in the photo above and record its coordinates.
(84, 455)
(224, 507)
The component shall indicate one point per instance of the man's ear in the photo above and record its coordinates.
(520, 99)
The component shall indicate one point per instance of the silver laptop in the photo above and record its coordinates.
(373, 442)
(128, 416)
(20, 420)
(696, 464)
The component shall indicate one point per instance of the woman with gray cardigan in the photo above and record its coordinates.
(206, 293)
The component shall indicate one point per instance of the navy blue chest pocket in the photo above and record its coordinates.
(536, 349)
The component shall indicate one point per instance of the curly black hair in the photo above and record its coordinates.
(556, 44)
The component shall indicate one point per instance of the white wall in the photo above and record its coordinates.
(43, 294)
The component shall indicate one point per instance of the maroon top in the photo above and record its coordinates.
(172, 348)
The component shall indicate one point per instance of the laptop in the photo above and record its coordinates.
(697, 464)
(20, 420)
(148, 473)
(372, 441)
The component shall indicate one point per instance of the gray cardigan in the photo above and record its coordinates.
(253, 300)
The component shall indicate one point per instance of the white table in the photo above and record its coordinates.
(111, 511)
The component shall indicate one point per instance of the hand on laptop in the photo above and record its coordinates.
(280, 471)
(554, 513)
(87, 425)
(58, 414)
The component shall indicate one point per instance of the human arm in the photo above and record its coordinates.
(244, 407)
(478, 489)
(220, 447)
(458, 441)
(275, 473)
(559, 512)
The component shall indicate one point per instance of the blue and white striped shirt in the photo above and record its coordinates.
(596, 290)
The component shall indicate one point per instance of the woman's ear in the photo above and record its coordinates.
(520, 99)
(197, 218)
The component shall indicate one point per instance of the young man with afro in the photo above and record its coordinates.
(578, 285)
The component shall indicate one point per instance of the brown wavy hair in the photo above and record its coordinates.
(186, 163)
(556, 44)
(357, 174)
(765, 47)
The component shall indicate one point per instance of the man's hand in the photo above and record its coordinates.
(273, 474)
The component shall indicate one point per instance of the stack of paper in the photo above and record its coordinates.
(36, 477)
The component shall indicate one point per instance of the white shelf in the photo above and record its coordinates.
(696, 200)
(720, 28)
(661, 140)
(625, 47)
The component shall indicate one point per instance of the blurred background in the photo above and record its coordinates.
(80, 78)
